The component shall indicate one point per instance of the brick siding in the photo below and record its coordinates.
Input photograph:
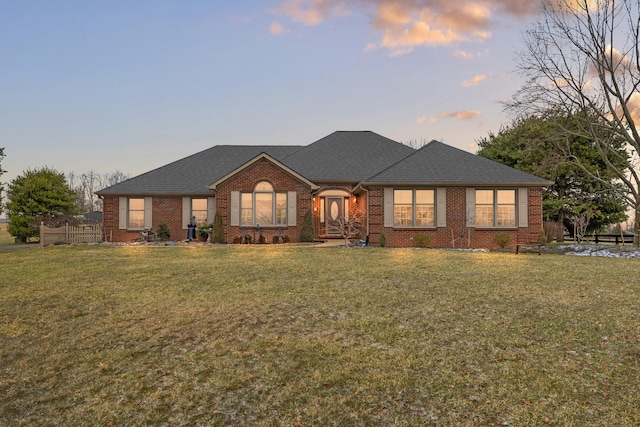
(169, 210)
(246, 180)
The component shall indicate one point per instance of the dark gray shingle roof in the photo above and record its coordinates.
(193, 174)
(349, 156)
(438, 163)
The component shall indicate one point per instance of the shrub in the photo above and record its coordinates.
(286, 239)
(502, 240)
(237, 240)
(553, 230)
(261, 239)
(163, 232)
(383, 240)
(306, 233)
(421, 241)
(203, 230)
(218, 230)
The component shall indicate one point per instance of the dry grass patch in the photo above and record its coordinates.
(5, 237)
(313, 336)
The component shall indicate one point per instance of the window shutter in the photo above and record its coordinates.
(211, 209)
(148, 210)
(186, 212)
(292, 211)
(388, 207)
(471, 207)
(441, 209)
(122, 214)
(523, 207)
(235, 208)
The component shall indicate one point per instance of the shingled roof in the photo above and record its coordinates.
(343, 157)
(346, 156)
(440, 164)
(193, 174)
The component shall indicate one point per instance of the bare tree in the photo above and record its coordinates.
(350, 226)
(114, 178)
(86, 184)
(582, 60)
(459, 226)
(416, 144)
(581, 221)
(90, 182)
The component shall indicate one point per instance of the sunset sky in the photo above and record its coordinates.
(132, 85)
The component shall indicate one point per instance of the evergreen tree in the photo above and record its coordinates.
(1, 172)
(218, 229)
(38, 195)
(539, 146)
(306, 233)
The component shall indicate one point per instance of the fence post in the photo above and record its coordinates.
(66, 232)
(596, 236)
(41, 234)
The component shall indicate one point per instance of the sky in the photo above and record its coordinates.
(129, 86)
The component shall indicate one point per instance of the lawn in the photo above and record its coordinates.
(277, 335)
(5, 237)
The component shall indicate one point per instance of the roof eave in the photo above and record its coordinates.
(207, 193)
(454, 184)
(261, 156)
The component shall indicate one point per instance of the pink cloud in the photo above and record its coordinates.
(406, 24)
(276, 28)
(457, 115)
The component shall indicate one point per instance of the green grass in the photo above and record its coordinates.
(5, 237)
(316, 336)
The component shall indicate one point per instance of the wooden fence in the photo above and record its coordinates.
(604, 238)
(70, 234)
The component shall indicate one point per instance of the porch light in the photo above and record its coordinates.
(355, 199)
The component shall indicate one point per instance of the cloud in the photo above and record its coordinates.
(406, 24)
(421, 119)
(459, 53)
(618, 62)
(276, 28)
(311, 12)
(370, 47)
(458, 115)
(577, 6)
(633, 106)
(476, 80)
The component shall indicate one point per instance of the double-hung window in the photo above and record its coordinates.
(496, 208)
(263, 206)
(199, 211)
(414, 208)
(136, 213)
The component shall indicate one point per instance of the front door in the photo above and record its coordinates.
(334, 214)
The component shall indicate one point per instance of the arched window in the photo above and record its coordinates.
(263, 206)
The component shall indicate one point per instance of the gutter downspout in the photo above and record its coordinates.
(359, 186)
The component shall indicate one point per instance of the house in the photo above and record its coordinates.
(454, 197)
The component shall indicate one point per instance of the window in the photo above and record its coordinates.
(199, 211)
(495, 208)
(414, 208)
(136, 213)
(264, 206)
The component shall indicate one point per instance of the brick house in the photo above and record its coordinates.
(454, 197)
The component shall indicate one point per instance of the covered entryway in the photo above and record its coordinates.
(334, 210)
